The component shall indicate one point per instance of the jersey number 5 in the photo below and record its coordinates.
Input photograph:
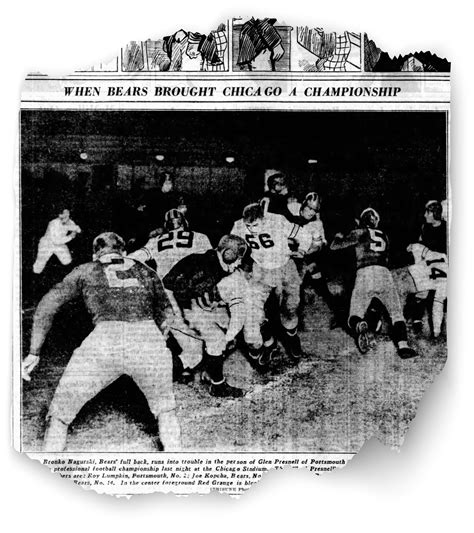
(264, 238)
(377, 241)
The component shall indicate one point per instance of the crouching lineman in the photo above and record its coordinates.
(268, 235)
(126, 302)
(429, 272)
(168, 248)
(193, 282)
(373, 280)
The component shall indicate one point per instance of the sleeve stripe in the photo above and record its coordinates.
(295, 227)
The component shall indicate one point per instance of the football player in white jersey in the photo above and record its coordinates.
(60, 231)
(167, 249)
(268, 235)
(177, 241)
(428, 273)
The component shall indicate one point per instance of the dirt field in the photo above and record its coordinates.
(333, 400)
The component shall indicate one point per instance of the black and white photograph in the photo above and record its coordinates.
(230, 281)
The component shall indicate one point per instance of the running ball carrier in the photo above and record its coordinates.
(373, 280)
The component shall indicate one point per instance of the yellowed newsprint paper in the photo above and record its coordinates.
(232, 256)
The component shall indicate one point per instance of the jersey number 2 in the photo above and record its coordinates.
(114, 281)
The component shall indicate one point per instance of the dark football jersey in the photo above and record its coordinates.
(371, 246)
(115, 289)
(435, 237)
(195, 276)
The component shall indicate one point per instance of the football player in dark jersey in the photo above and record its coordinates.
(373, 280)
(127, 303)
(194, 283)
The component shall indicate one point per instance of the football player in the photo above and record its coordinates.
(167, 249)
(268, 236)
(373, 280)
(194, 283)
(59, 232)
(278, 199)
(127, 303)
(434, 232)
(434, 236)
(308, 215)
(429, 272)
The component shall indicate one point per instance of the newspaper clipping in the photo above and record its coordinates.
(232, 256)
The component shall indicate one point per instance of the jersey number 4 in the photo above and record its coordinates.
(264, 238)
(437, 272)
(180, 239)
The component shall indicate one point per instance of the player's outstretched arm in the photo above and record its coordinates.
(28, 365)
(340, 241)
(49, 305)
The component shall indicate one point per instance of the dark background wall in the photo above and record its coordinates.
(393, 161)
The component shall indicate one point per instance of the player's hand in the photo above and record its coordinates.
(230, 345)
(297, 255)
(165, 328)
(28, 365)
(339, 236)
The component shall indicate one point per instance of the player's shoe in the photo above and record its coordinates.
(362, 337)
(221, 390)
(259, 360)
(406, 353)
(266, 357)
(224, 390)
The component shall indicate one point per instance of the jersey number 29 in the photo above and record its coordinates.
(179, 239)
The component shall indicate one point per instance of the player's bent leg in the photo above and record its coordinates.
(63, 254)
(213, 376)
(191, 354)
(169, 431)
(437, 317)
(207, 324)
(153, 372)
(55, 437)
(401, 340)
(43, 256)
(94, 365)
(289, 304)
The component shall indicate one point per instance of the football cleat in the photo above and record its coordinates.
(406, 353)
(266, 357)
(221, 390)
(224, 390)
(362, 337)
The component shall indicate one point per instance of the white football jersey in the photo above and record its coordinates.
(314, 227)
(169, 248)
(270, 248)
(430, 271)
